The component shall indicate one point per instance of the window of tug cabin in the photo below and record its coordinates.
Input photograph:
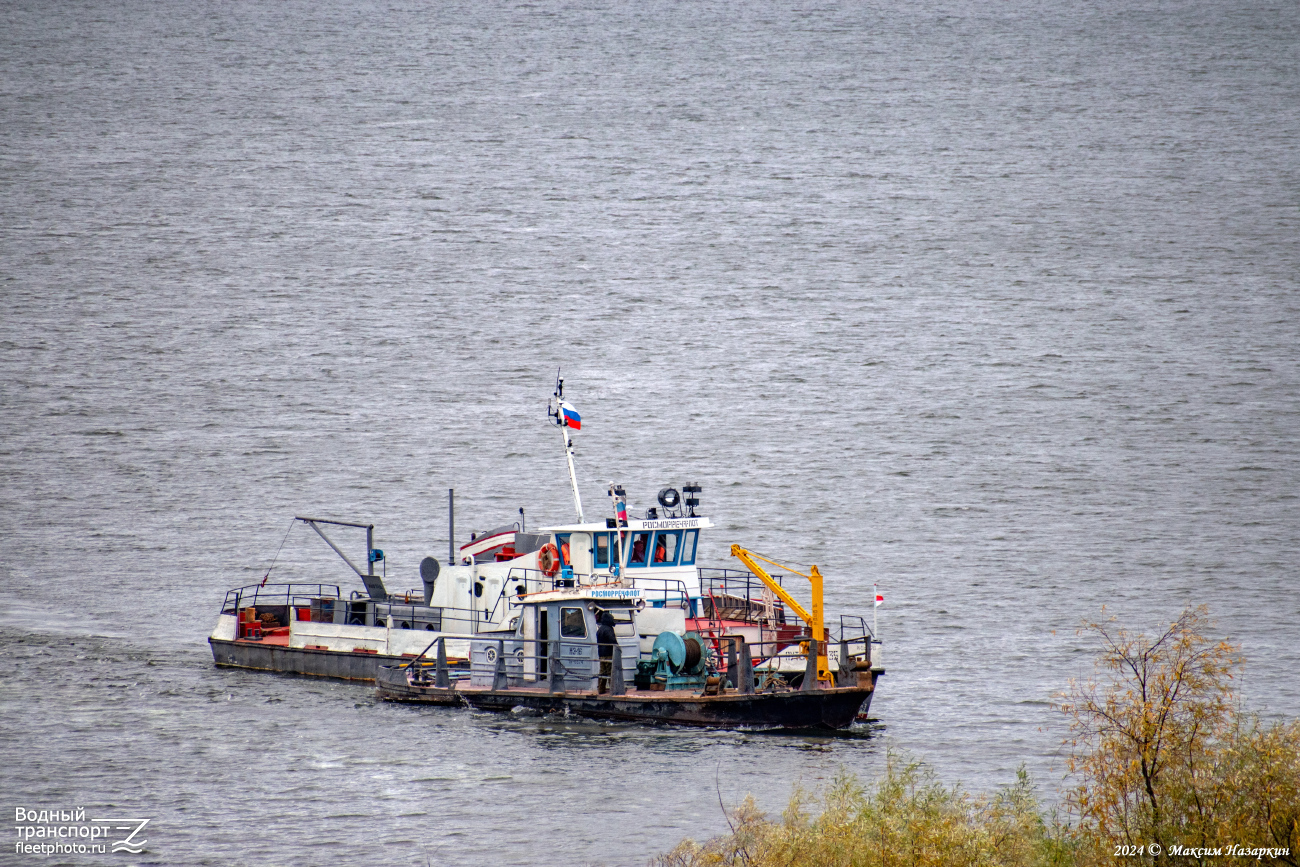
(562, 544)
(601, 550)
(666, 544)
(688, 547)
(640, 549)
(572, 623)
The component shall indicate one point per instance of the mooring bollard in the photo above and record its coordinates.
(745, 669)
(499, 680)
(733, 673)
(442, 679)
(810, 670)
(556, 674)
(617, 685)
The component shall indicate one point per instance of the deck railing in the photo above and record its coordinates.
(735, 594)
(276, 594)
(318, 603)
(775, 664)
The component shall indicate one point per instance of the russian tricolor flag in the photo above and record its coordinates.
(571, 417)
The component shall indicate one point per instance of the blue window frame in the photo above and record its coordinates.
(640, 549)
(688, 547)
(667, 545)
(600, 549)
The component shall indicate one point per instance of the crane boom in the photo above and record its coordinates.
(815, 619)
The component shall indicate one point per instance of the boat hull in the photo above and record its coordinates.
(256, 656)
(828, 709)
(812, 709)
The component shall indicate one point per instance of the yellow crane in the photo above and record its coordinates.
(814, 619)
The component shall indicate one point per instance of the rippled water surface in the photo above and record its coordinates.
(994, 306)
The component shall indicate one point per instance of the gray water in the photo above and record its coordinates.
(992, 305)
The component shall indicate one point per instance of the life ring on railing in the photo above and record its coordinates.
(548, 559)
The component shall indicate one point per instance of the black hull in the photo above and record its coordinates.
(823, 708)
(819, 708)
(296, 660)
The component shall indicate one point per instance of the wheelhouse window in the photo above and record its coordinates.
(572, 623)
(665, 549)
(562, 542)
(688, 546)
(640, 549)
(600, 553)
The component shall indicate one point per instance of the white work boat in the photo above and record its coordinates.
(491, 588)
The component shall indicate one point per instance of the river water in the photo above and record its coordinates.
(994, 306)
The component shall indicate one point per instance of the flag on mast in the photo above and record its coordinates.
(571, 417)
(879, 600)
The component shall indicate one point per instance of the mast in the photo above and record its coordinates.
(567, 418)
(573, 476)
(619, 496)
(875, 612)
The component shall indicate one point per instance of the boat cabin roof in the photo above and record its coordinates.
(698, 522)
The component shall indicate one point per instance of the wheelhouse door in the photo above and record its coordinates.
(542, 647)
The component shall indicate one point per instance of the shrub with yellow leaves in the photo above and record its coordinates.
(1160, 750)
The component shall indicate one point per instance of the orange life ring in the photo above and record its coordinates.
(548, 559)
